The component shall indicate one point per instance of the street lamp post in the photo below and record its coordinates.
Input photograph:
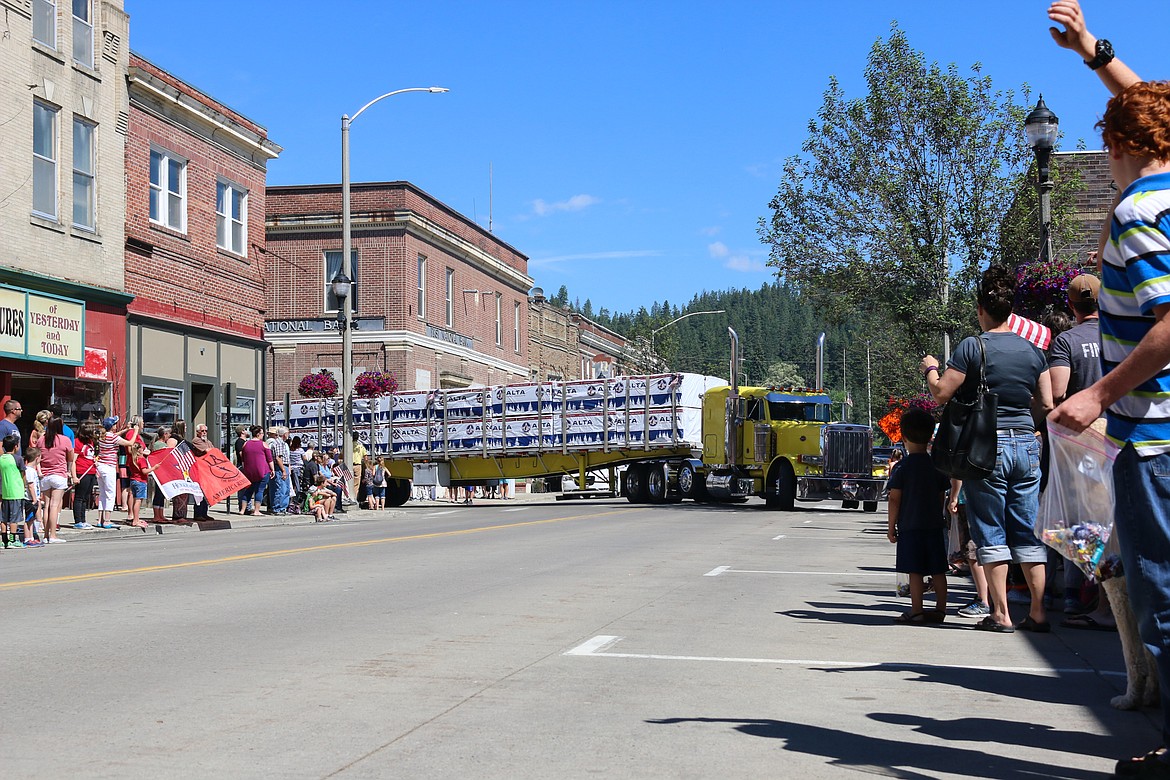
(1042, 127)
(345, 305)
(654, 332)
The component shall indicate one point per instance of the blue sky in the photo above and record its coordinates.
(633, 144)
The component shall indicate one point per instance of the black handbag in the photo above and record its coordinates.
(965, 444)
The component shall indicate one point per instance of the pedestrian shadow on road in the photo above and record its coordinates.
(873, 614)
(1078, 689)
(896, 758)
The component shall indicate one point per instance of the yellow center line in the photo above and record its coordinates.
(298, 551)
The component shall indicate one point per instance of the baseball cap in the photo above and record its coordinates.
(1083, 288)
(109, 422)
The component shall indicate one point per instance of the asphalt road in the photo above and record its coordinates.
(531, 640)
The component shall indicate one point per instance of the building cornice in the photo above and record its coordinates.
(411, 222)
(86, 292)
(201, 115)
(396, 340)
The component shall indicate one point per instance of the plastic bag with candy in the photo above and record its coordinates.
(1076, 509)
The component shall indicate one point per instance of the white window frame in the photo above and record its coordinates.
(328, 306)
(422, 287)
(450, 301)
(499, 320)
(83, 33)
(165, 195)
(44, 162)
(85, 179)
(226, 223)
(42, 10)
(516, 327)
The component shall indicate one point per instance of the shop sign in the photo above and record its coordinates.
(450, 336)
(36, 326)
(320, 325)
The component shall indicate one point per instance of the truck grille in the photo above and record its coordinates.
(848, 449)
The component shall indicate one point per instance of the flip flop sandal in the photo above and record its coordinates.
(988, 624)
(911, 618)
(1085, 622)
(1028, 624)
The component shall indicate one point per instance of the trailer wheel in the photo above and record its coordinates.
(397, 491)
(780, 489)
(869, 506)
(690, 483)
(656, 483)
(636, 484)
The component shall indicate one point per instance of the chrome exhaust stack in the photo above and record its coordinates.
(730, 443)
(820, 362)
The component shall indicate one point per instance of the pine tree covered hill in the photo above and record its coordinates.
(775, 325)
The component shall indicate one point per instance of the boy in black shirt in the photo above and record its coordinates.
(916, 521)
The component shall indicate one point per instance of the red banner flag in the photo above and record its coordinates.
(173, 471)
(217, 476)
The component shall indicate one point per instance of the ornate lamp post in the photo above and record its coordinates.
(1042, 128)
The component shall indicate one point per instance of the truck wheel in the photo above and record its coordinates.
(397, 491)
(690, 482)
(636, 484)
(656, 483)
(780, 489)
(869, 506)
(849, 504)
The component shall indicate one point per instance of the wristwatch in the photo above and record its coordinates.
(1104, 55)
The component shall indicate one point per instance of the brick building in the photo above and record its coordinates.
(565, 345)
(62, 296)
(194, 253)
(1091, 202)
(438, 300)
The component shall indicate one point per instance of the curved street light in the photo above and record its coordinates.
(345, 304)
(654, 332)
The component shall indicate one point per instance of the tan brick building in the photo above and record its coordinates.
(439, 301)
(62, 205)
(194, 253)
(565, 345)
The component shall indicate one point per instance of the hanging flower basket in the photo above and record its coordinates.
(1043, 286)
(319, 385)
(371, 384)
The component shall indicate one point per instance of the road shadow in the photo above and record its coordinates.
(906, 760)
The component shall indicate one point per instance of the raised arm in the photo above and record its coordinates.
(1114, 74)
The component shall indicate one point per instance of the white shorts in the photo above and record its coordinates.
(107, 484)
(53, 482)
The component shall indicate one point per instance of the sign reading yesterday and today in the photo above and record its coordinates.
(41, 327)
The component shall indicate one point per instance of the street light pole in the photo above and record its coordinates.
(347, 271)
(654, 332)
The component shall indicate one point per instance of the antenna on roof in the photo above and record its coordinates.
(489, 197)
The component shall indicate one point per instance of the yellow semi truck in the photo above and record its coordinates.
(679, 436)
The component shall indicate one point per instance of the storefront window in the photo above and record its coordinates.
(161, 406)
(80, 401)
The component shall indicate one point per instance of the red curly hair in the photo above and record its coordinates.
(1137, 121)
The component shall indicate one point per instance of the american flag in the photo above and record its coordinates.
(1029, 329)
(183, 457)
(346, 475)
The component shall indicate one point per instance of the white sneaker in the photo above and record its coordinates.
(57, 540)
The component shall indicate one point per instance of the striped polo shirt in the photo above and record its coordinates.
(1135, 277)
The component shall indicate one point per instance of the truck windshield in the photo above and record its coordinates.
(800, 412)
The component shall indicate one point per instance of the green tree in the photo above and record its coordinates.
(783, 374)
(894, 207)
(562, 297)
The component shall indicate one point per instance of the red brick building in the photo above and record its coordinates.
(439, 301)
(195, 204)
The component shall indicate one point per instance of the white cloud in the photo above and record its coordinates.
(710, 231)
(543, 208)
(744, 262)
(620, 254)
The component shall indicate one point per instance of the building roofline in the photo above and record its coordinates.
(382, 185)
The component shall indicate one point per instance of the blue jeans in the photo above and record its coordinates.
(1141, 516)
(279, 487)
(1002, 508)
(254, 493)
